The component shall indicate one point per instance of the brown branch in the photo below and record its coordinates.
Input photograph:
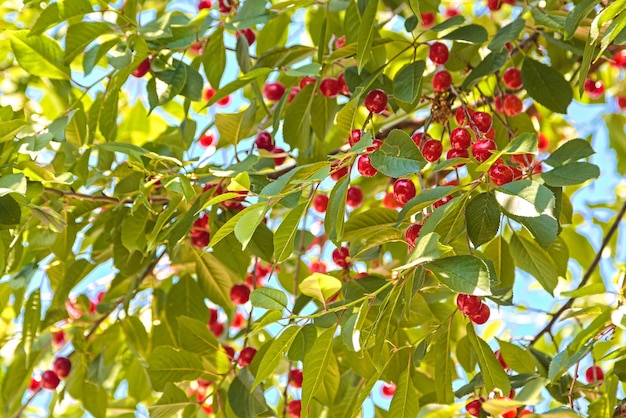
(586, 277)
(19, 412)
(102, 198)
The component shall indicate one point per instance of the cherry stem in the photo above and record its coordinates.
(18, 414)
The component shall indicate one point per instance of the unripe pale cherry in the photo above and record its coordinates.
(274, 91)
(438, 53)
(442, 80)
(512, 78)
(376, 101)
(431, 150)
(341, 257)
(404, 190)
(364, 166)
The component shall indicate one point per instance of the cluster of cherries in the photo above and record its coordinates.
(50, 379)
(473, 307)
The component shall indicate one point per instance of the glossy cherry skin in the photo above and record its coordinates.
(320, 203)
(468, 304)
(404, 190)
(512, 78)
(240, 294)
(62, 366)
(264, 141)
(481, 316)
(354, 197)
(481, 150)
(364, 166)
(330, 87)
(460, 139)
(341, 257)
(142, 69)
(376, 101)
(50, 380)
(442, 80)
(431, 150)
(274, 91)
(438, 53)
(594, 374)
(501, 174)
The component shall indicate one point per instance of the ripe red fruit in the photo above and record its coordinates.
(354, 197)
(376, 101)
(390, 202)
(240, 294)
(388, 389)
(364, 165)
(594, 89)
(482, 315)
(317, 267)
(213, 314)
(248, 34)
(457, 153)
(438, 53)
(544, 142)
(62, 366)
(205, 4)
(294, 408)
(330, 87)
(295, 378)
(142, 69)
(417, 138)
(320, 203)
(238, 321)
(246, 356)
(196, 48)
(619, 59)
(209, 93)
(375, 145)
(341, 257)
(460, 117)
(278, 160)
(511, 413)
(336, 174)
(404, 190)
(460, 139)
(473, 407)
(621, 102)
(206, 139)
(225, 6)
(340, 42)
(442, 80)
(512, 78)
(431, 150)
(468, 304)
(501, 360)
(481, 150)
(525, 412)
(264, 141)
(501, 174)
(343, 87)
(522, 159)
(34, 384)
(58, 338)
(230, 352)
(274, 91)
(411, 235)
(594, 374)
(482, 120)
(494, 5)
(451, 12)
(305, 81)
(428, 18)
(355, 136)
(512, 105)
(50, 380)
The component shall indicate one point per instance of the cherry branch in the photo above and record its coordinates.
(102, 198)
(586, 277)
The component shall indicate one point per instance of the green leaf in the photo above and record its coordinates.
(32, 320)
(315, 364)
(427, 248)
(571, 151)
(482, 215)
(10, 128)
(423, 200)
(367, 29)
(214, 57)
(57, 12)
(320, 286)
(285, 234)
(133, 229)
(571, 174)
(168, 365)
(80, 35)
(407, 82)
(441, 347)
(195, 336)
(242, 81)
(448, 23)
(463, 274)
(491, 64)
(525, 198)
(10, 211)
(368, 222)
(474, 34)
(508, 33)
(276, 353)
(534, 260)
(281, 56)
(405, 400)
(517, 358)
(268, 298)
(245, 401)
(215, 279)
(398, 156)
(334, 219)
(576, 15)
(185, 298)
(564, 360)
(170, 403)
(297, 125)
(499, 253)
(491, 370)
(40, 55)
(248, 223)
(13, 183)
(323, 117)
(546, 86)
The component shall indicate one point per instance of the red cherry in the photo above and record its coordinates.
(375, 145)
(451, 12)
(411, 235)
(457, 153)
(491, 134)
(240, 294)
(388, 389)
(294, 408)
(473, 407)
(293, 93)
(35, 383)
(364, 165)
(274, 91)
(498, 355)
(248, 34)
(512, 105)
(468, 304)
(522, 159)
(438, 53)
(213, 315)
(460, 139)
(317, 267)
(442, 80)
(417, 138)
(355, 136)
(209, 93)
(512, 78)
(354, 197)
(525, 412)
(50, 380)
(142, 69)
(245, 356)
(431, 150)
(62, 366)
(619, 59)
(205, 4)
(336, 174)
(594, 374)
(501, 174)
(230, 352)
(481, 316)
(376, 101)
(460, 116)
(341, 257)
(621, 102)
(482, 120)
(498, 103)
(278, 160)
(340, 42)
(201, 240)
(390, 202)
(343, 87)
(404, 190)
(224, 101)
(238, 321)
(330, 87)
(225, 6)
(206, 139)
(594, 89)
(264, 141)
(511, 413)
(320, 203)
(196, 48)
(295, 378)
(305, 81)
(58, 338)
(481, 150)
(494, 5)
(428, 18)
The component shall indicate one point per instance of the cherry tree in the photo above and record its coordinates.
(312, 208)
